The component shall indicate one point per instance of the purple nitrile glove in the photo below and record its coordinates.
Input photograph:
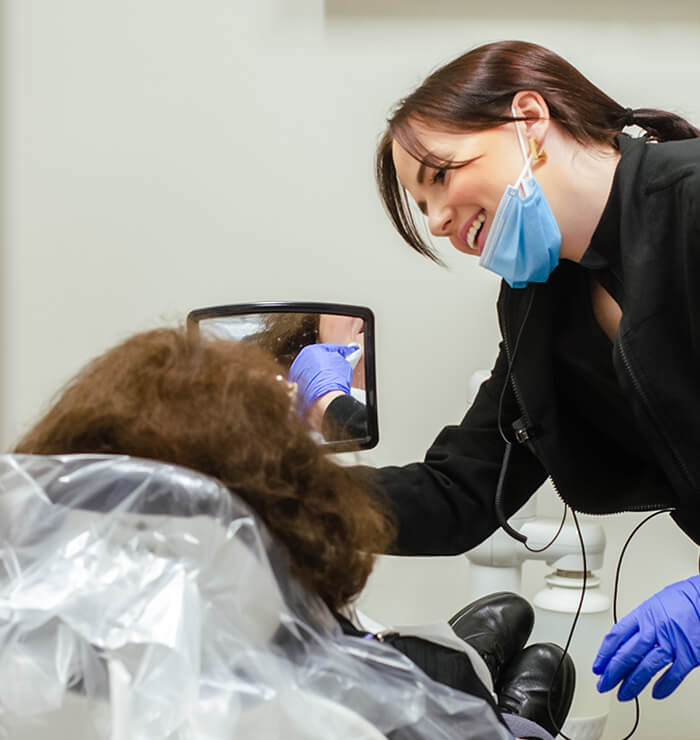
(320, 368)
(664, 629)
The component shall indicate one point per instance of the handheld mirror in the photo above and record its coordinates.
(285, 329)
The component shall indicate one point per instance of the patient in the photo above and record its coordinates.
(226, 410)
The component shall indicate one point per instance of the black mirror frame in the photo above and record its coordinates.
(342, 309)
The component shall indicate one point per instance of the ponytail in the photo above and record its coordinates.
(661, 125)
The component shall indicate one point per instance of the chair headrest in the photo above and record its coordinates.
(104, 483)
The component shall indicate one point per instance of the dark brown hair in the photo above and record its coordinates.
(222, 408)
(475, 92)
(286, 334)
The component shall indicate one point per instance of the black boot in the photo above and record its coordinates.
(497, 626)
(529, 688)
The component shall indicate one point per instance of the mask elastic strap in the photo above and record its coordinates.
(526, 170)
(527, 157)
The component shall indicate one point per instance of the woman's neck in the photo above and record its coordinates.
(577, 187)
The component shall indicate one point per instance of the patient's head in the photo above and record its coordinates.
(222, 408)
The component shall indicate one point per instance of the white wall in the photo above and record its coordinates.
(162, 155)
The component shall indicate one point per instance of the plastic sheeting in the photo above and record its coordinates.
(141, 601)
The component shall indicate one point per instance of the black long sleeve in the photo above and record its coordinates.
(445, 504)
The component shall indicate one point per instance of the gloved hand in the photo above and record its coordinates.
(663, 629)
(320, 368)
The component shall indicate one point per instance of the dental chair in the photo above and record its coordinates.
(144, 601)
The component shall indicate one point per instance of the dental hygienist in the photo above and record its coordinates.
(519, 160)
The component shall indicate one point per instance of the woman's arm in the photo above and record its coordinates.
(445, 505)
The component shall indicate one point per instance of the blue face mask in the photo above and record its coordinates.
(524, 240)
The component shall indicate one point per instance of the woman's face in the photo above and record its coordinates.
(460, 203)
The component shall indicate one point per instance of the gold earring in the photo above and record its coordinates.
(536, 156)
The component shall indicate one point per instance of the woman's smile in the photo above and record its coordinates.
(471, 232)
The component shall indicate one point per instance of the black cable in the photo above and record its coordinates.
(498, 498)
(615, 594)
(500, 486)
(554, 539)
(511, 361)
(579, 607)
(636, 720)
(622, 554)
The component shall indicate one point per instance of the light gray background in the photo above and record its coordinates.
(163, 155)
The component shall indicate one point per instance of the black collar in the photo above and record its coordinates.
(603, 257)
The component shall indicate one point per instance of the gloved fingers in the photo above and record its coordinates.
(618, 635)
(318, 358)
(344, 349)
(626, 659)
(651, 664)
(322, 348)
(670, 681)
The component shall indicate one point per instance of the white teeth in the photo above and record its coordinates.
(473, 229)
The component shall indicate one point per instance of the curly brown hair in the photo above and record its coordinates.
(222, 408)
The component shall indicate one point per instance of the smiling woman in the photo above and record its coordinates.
(462, 119)
(516, 157)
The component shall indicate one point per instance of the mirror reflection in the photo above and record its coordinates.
(326, 358)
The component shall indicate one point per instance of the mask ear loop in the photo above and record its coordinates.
(521, 140)
(527, 169)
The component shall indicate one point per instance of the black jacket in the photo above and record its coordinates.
(646, 251)
(345, 418)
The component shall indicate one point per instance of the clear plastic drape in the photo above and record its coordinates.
(141, 601)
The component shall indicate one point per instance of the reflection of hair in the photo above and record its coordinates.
(285, 334)
(218, 407)
(474, 93)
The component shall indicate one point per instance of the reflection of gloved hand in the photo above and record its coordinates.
(663, 629)
(320, 368)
